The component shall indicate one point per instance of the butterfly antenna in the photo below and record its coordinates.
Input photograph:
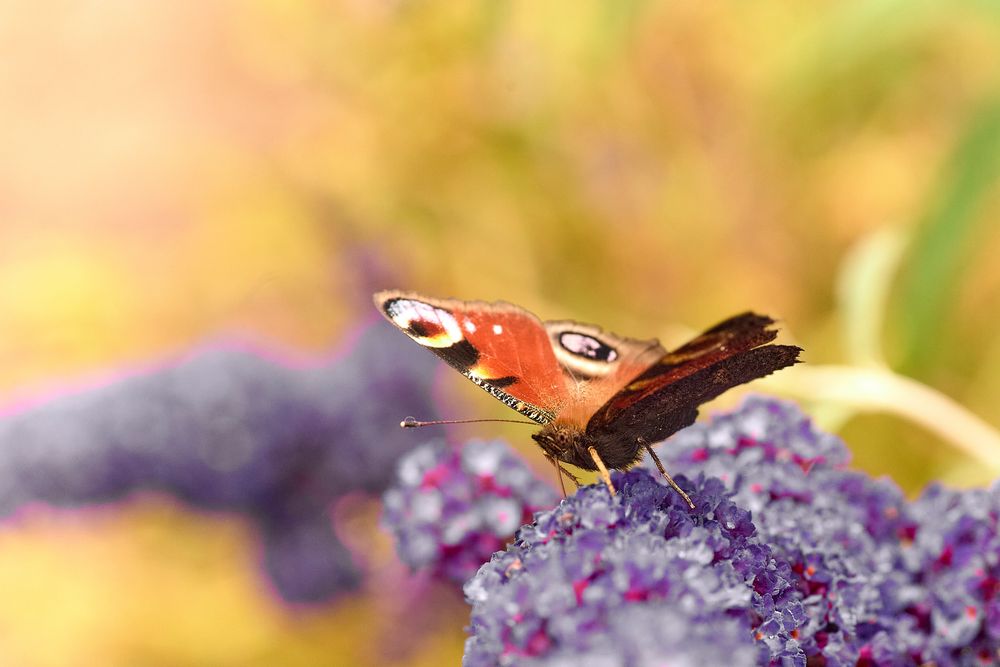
(412, 422)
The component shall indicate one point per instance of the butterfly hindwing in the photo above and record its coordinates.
(596, 364)
(502, 348)
(665, 397)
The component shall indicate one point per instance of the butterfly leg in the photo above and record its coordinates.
(602, 469)
(663, 471)
(559, 474)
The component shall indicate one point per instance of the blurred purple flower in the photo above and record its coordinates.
(452, 508)
(228, 429)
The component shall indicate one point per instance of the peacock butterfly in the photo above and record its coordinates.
(600, 399)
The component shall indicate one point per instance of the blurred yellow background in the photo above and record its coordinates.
(170, 171)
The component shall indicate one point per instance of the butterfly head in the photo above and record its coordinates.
(563, 441)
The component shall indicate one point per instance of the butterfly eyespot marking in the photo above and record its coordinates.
(427, 324)
(425, 329)
(587, 347)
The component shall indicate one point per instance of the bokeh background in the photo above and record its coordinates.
(173, 173)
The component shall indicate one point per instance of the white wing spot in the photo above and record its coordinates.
(470, 326)
(497, 329)
(450, 324)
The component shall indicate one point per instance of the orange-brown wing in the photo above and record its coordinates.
(665, 397)
(500, 347)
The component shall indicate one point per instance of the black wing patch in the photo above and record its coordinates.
(665, 397)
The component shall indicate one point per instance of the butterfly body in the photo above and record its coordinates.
(600, 399)
(571, 444)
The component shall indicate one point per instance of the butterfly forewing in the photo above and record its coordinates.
(665, 397)
(502, 348)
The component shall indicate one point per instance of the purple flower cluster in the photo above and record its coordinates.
(883, 581)
(953, 560)
(625, 581)
(233, 430)
(789, 559)
(452, 508)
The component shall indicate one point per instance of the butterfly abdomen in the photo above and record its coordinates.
(570, 444)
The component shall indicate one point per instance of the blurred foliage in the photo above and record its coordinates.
(172, 170)
(951, 231)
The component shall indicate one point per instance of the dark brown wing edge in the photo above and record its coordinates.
(673, 405)
(726, 339)
(692, 374)
(740, 332)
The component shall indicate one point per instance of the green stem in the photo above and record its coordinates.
(881, 390)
